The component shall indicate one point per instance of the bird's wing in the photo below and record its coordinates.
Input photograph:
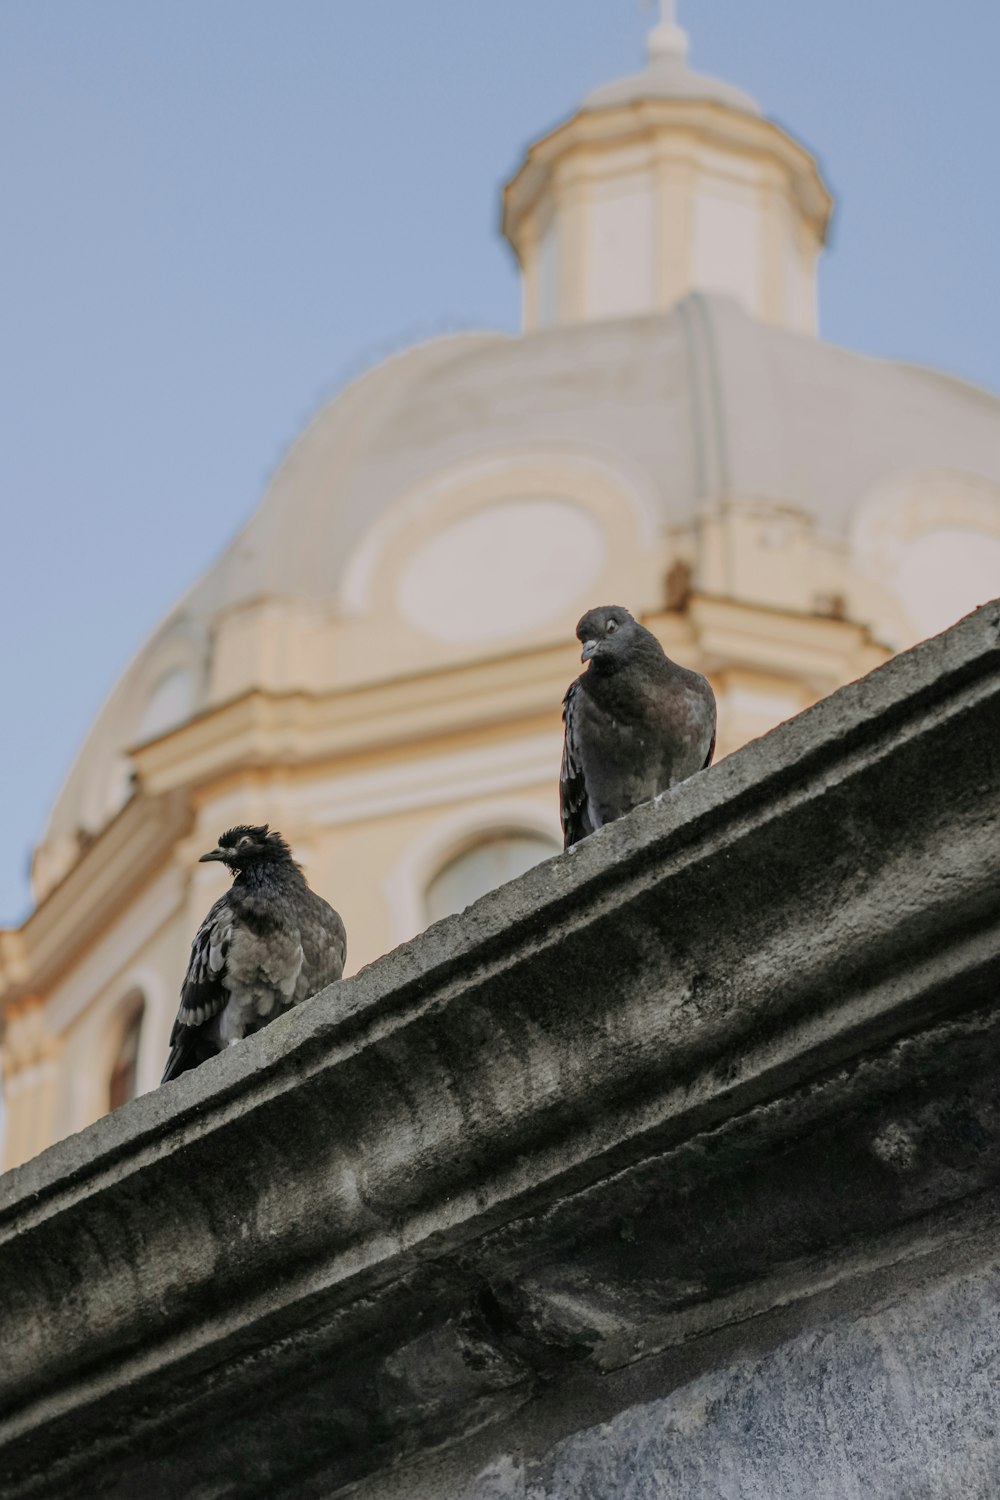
(202, 993)
(574, 804)
(325, 944)
(710, 705)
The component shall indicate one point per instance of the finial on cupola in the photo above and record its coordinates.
(667, 40)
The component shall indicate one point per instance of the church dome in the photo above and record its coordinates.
(668, 405)
(476, 493)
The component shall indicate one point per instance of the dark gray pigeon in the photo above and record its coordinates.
(636, 723)
(268, 943)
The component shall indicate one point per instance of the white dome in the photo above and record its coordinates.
(694, 410)
(669, 77)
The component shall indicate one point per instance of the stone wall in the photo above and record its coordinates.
(668, 1170)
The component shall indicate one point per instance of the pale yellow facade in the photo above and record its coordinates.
(376, 665)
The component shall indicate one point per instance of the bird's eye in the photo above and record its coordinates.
(245, 841)
(611, 627)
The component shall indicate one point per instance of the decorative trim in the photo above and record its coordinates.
(428, 781)
(515, 473)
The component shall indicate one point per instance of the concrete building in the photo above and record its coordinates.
(375, 665)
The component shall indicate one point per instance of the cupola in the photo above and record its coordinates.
(663, 183)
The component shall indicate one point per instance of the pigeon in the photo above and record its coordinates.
(267, 944)
(636, 723)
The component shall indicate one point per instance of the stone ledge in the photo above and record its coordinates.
(717, 1055)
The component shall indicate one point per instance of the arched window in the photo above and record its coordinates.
(123, 1078)
(482, 867)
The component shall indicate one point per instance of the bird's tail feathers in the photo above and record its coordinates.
(188, 1051)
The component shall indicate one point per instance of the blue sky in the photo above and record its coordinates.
(216, 211)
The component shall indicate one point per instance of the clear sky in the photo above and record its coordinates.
(214, 212)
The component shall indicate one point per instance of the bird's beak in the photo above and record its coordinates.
(589, 647)
(219, 854)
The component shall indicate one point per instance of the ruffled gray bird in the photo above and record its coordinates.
(636, 723)
(267, 944)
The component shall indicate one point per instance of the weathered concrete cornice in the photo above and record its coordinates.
(703, 1063)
